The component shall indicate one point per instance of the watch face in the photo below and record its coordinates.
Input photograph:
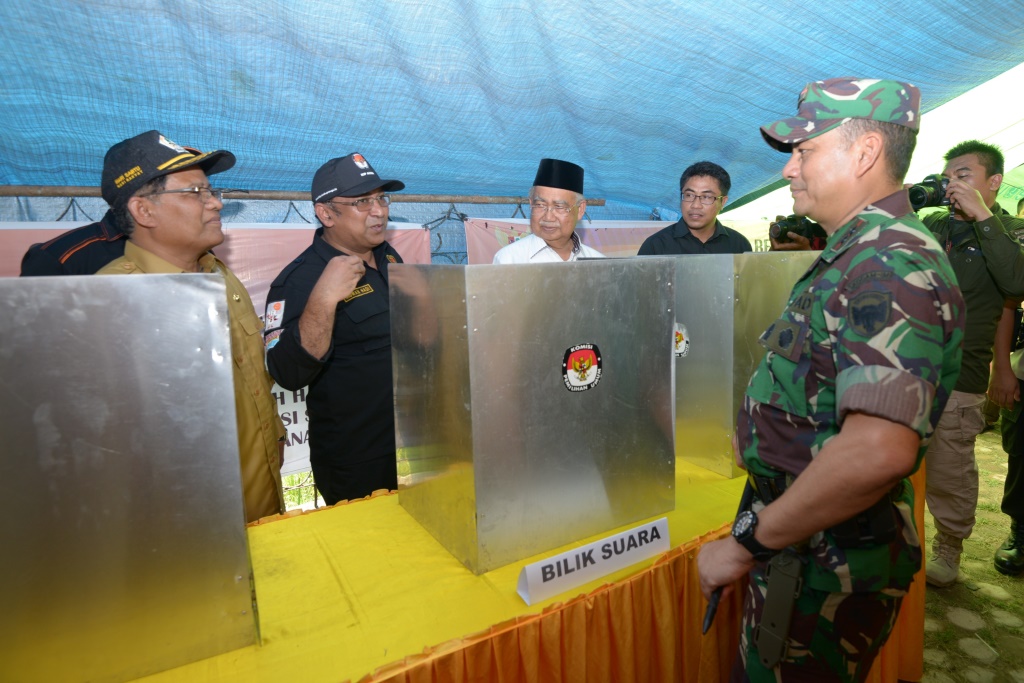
(744, 522)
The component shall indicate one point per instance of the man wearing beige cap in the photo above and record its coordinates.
(160, 196)
(556, 205)
(858, 368)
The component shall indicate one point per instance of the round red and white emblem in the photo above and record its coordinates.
(581, 367)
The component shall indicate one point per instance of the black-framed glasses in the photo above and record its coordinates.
(203, 193)
(364, 204)
(705, 199)
(559, 209)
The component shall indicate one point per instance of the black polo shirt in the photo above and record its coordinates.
(677, 239)
(349, 400)
(81, 251)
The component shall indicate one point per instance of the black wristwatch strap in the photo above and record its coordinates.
(759, 551)
(743, 531)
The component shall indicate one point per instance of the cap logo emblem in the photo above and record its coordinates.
(172, 145)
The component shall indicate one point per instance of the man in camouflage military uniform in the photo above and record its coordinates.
(857, 371)
(989, 265)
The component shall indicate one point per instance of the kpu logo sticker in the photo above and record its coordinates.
(581, 367)
(275, 314)
(680, 341)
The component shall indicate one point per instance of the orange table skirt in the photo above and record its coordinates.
(645, 628)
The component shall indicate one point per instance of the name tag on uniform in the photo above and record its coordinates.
(358, 292)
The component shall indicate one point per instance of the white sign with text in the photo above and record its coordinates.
(546, 578)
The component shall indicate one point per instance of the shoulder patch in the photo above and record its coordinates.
(275, 314)
(270, 340)
(871, 276)
(869, 312)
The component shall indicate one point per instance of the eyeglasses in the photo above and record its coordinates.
(705, 199)
(364, 204)
(559, 209)
(203, 193)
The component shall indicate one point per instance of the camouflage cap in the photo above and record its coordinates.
(824, 105)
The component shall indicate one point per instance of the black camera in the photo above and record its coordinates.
(929, 192)
(783, 225)
(780, 228)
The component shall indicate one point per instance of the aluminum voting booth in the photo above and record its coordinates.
(121, 520)
(723, 304)
(533, 403)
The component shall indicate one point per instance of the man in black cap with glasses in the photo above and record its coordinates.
(328, 327)
(556, 205)
(160, 197)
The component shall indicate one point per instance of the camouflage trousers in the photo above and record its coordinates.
(832, 637)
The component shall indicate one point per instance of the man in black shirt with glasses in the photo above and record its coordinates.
(704, 190)
(328, 327)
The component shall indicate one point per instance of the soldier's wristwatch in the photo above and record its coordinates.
(743, 531)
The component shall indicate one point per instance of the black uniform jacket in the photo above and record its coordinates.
(350, 397)
(81, 251)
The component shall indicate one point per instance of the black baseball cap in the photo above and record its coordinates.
(562, 175)
(349, 176)
(132, 163)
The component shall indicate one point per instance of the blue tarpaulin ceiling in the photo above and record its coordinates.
(464, 97)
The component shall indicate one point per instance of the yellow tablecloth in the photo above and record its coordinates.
(360, 591)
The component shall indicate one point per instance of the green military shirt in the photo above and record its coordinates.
(874, 326)
(989, 265)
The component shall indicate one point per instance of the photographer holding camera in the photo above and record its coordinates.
(989, 265)
(796, 233)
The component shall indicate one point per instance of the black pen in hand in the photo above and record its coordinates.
(709, 615)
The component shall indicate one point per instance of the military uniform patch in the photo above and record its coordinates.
(785, 338)
(869, 312)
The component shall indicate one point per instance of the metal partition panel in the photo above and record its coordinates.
(724, 302)
(433, 421)
(555, 456)
(705, 299)
(553, 464)
(121, 523)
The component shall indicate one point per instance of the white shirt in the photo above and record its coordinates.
(532, 249)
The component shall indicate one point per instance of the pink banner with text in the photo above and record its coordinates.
(255, 252)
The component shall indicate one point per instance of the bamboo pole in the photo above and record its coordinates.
(275, 195)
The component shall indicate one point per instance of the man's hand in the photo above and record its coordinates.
(797, 243)
(1003, 388)
(967, 201)
(339, 278)
(316, 326)
(719, 563)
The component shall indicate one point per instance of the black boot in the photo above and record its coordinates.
(1010, 558)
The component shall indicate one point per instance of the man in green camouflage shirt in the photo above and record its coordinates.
(857, 371)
